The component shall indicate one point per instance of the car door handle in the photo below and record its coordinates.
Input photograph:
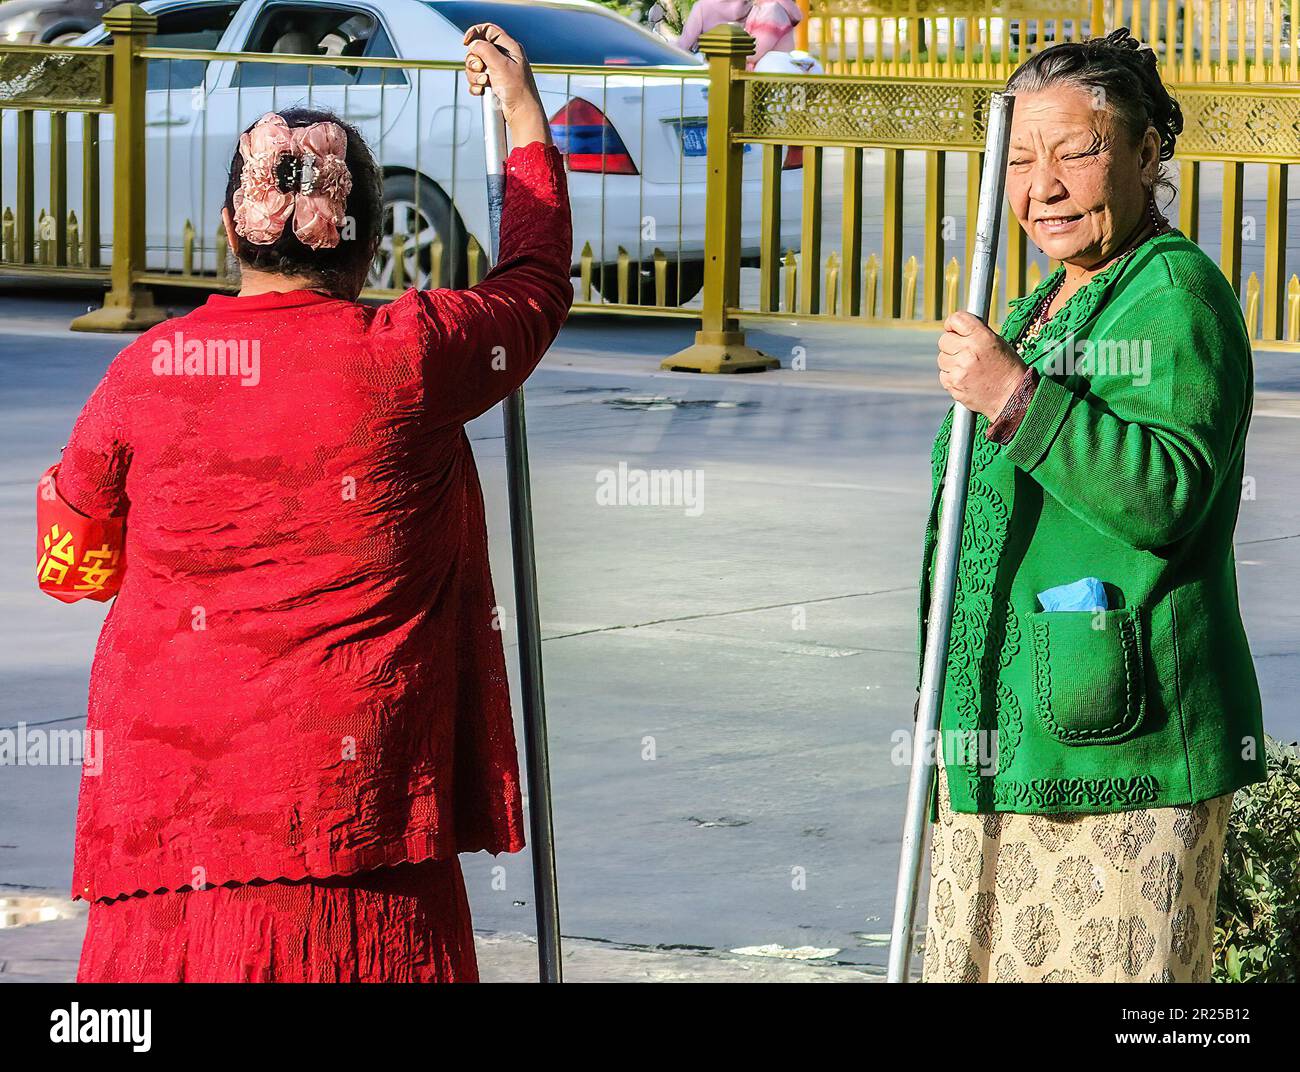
(169, 121)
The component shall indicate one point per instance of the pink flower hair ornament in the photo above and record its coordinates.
(292, 171)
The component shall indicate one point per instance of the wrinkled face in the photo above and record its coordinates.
(1075, 180)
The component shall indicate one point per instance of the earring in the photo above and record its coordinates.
(1157, 219)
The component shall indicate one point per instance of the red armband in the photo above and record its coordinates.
(77, 557)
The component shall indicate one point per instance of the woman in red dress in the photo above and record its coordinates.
(300, 688)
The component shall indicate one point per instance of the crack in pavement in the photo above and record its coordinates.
(1268, 539)
(727, 613)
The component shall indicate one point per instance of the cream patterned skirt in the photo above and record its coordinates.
(1122, 897)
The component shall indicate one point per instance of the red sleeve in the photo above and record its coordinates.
(92, 474)
(81, 505)
(482, 343)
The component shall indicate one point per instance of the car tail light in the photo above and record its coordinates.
(793, 157)
(583, 134)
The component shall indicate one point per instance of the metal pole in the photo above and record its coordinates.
(536, 760)
(956, 478)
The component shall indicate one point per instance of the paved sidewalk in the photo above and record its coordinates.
(47, 953)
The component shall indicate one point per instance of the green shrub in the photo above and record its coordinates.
(1257, 933)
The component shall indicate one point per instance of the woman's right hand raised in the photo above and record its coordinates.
(497, 60)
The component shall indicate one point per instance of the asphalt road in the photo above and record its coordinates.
(723, 683)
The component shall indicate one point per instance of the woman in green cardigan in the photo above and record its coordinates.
(1100, 704)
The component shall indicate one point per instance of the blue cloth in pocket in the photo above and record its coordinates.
(1086, 593)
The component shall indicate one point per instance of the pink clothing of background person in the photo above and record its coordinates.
(771, 23)
(707, 14)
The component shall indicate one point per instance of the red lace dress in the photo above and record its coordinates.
(300, 679)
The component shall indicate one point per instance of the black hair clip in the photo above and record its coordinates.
(296, 174)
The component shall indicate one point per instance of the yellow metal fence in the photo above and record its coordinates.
(938, 38)
(1198, 41)
(1232, 170)
(847, 198)
(62, 87)
(640, 231)
(903, 143)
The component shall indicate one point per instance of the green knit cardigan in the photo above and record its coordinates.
(1127, 467)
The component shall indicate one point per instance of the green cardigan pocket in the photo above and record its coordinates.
(1089, 684)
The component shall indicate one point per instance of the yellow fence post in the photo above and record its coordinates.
(851, 232)
(720, 344)
(59, 187)
(1097, 24)
(127, 306)
(892, 240)
(1234, 174)
(769, 257)
(25, 221)
(935, 187)
(810, 241)
(1275, 252)
(90, 189)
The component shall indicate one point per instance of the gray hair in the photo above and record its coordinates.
(1122, 72)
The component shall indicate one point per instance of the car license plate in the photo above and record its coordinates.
(695, 139)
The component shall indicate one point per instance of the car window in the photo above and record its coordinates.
(568, 35)
(317, 30)
(199, 27)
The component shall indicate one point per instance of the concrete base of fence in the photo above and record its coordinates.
(719, 351)
(137, 312)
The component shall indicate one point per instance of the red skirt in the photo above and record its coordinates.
(404, 924)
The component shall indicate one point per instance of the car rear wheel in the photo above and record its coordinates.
(684, 282)
(64, 33)
(423, 216)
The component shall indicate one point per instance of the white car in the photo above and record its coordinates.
(635, 145)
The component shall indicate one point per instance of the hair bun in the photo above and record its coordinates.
(1123, 39)
(1162, 110)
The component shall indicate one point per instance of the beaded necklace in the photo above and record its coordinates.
(1042, 317)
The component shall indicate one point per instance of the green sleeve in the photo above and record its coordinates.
(1136, 455)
